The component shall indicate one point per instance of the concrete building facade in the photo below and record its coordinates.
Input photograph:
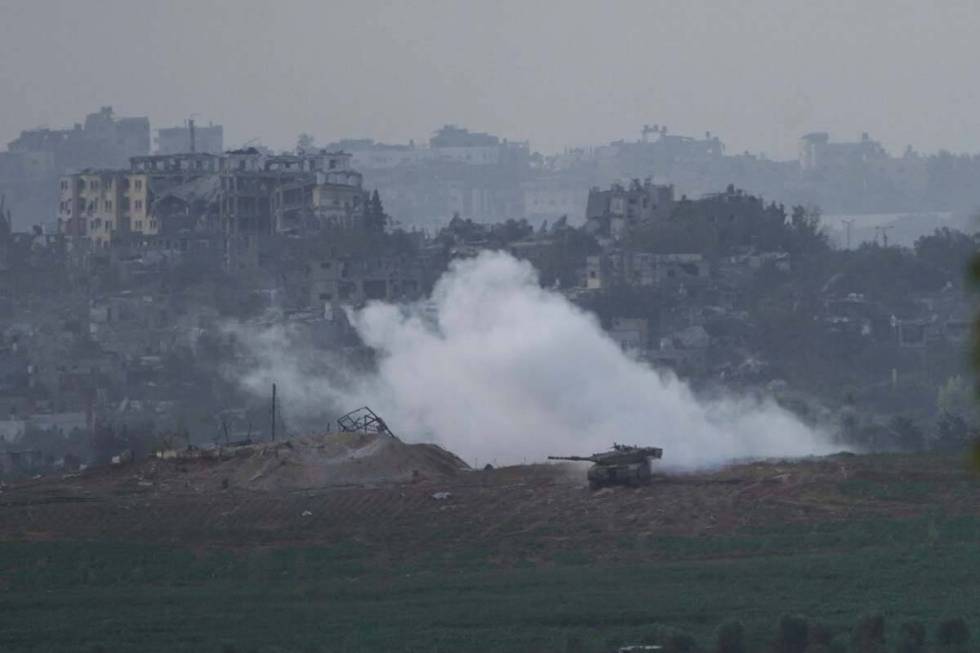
(240, 193)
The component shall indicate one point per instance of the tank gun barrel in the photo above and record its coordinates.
(623, 464)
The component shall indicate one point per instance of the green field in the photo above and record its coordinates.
(116, 596)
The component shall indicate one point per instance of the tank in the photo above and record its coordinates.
(622, 465)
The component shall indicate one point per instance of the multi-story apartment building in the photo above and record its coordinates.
(102, 205)
(614, 212)
(340, 279)
(104, 140)
(89, 206)
(473, 174)
(240, 193)
(623, 267)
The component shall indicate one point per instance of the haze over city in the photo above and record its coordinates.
(489, 326)
(757, 73)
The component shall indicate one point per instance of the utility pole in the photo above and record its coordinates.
(847, 230)
(884, 234)
(273, 412)
(193, 136)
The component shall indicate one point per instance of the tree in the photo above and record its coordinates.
(907, 434)
(947, 250)
(805, 235)
(955, 397)
(952, 432)
(305, 143)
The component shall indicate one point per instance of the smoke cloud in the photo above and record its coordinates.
(495, 368)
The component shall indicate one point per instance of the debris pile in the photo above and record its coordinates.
(331, 459)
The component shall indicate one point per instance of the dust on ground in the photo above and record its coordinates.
(365, 492)
(318, 461)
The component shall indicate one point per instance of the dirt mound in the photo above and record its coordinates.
(332, 459)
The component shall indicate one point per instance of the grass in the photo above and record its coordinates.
(79, 596)
(887, 490)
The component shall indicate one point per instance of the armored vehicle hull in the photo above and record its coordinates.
(634, 474)
(623, 465)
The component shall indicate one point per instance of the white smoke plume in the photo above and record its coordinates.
(495, 368)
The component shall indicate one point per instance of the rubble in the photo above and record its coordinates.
(330, 459)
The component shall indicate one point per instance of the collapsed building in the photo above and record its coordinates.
(624, 267)
(240, 193)
(615, 213)
(350, 280)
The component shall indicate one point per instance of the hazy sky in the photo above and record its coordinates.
(756, 72)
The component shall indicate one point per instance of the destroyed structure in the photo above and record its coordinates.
(111, 323)
(242, 193)
(487, 178)
(32, 163)
(614, 213)
(355, 280)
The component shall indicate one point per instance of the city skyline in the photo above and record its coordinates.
(397, 72)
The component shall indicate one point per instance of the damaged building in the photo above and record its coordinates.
(615, 213)
(623, 267)
(240, 193)
(33, 162)
(344, 279)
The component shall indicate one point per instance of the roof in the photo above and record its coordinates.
(204, 188)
